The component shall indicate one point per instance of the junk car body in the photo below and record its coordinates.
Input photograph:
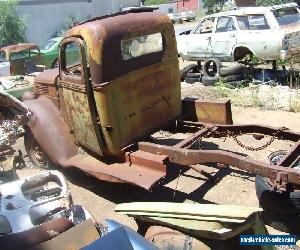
(270, 33)
(19, 54)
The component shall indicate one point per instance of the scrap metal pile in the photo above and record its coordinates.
(13, 115)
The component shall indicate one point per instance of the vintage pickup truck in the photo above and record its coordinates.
(99, 113)
(270, 33)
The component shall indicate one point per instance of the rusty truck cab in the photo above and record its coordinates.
(123, 83)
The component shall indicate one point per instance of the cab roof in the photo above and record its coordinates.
(103, 37)
(19, 47)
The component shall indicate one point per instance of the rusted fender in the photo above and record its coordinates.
(53, 134)
(50, 130)
(168, 238)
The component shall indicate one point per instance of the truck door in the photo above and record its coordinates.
(77, 96)
(224, 39)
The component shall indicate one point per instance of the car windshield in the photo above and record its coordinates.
(252, 22)
(49, 44)
(286, 16)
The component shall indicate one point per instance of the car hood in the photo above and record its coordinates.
(45, 51)
(47, 77)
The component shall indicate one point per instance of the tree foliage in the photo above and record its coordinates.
(213, 5)
(68, 23)
(270, 2)
(155, 2)
(12, 25)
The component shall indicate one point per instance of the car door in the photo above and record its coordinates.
(199, 42)
(76, 92)
(224, 39)
(256, 34)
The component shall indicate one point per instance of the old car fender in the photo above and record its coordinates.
(240, 45)
(50, 130)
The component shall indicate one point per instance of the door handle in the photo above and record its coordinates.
(232, 35)
(208, 38)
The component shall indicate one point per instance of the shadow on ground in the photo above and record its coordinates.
(121, 193)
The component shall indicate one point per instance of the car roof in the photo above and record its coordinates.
(252, 10)
(19, 47)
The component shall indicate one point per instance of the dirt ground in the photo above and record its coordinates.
(234, 187)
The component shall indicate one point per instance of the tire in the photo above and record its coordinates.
(287, 203)
(233, 78)
(289, 224)
(275, 157)
(191, 80)
(215, 64)
(193, 75)
(232, 70)
(186, 69)
(34, 152)
(209, 81)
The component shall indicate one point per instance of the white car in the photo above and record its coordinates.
(4, 68)
(188, 15)
(270, 33)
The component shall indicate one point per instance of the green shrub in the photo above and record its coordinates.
(12, 25)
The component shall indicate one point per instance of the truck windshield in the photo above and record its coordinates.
(286, 16)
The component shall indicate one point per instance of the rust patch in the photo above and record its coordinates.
(79, 115)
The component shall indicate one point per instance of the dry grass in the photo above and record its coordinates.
(261, 96)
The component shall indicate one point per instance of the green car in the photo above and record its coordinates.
(50, 52)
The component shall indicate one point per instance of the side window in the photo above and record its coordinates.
(72, 58)
(252, 22)
(206, 26)
(19, 55)
(225, 24)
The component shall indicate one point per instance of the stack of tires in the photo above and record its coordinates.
(213, 72)
(234, 73)
(281, 208)
(190, 74)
